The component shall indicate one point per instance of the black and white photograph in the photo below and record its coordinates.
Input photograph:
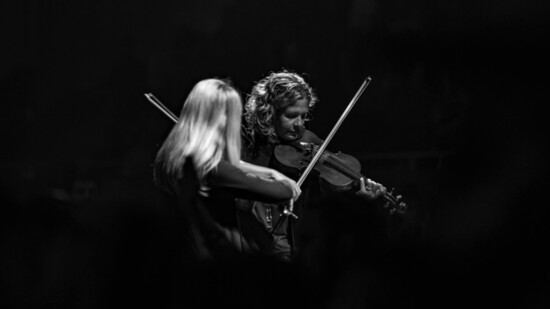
(274, 154)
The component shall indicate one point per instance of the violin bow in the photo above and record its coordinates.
(321, 149)
(156, 102)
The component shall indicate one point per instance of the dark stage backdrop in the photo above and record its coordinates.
(452, 119)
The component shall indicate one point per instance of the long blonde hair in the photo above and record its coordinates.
(208, 131)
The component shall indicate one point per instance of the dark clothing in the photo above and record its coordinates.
(214, 225)
(264, 224)
(274, 233)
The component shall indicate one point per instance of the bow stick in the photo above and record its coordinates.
(327, 140)
(161, 106)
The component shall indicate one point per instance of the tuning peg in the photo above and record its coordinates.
(402, 208)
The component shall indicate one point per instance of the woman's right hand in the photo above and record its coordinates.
(289, 182)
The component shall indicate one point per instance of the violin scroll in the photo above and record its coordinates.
(394, 204)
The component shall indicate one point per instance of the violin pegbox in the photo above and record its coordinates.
(394, 203)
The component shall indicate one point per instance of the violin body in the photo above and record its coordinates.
(291, 161)
(333, 178)
(292, 158)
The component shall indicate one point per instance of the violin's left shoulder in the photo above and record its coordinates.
(311, 137)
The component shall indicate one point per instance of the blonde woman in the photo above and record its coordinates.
(199, 163)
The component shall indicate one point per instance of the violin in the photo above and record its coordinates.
(338, 172)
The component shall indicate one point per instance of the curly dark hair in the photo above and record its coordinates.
(268, 97)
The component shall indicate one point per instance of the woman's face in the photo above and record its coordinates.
(289, 124)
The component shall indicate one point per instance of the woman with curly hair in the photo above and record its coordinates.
(276, 112)
(277, 109)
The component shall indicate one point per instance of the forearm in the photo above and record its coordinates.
(232, 181)
(255, 169)
(270, 174)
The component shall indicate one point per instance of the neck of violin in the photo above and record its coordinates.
(396, 204)
(342, 167)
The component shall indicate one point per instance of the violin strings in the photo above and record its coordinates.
(340, 164)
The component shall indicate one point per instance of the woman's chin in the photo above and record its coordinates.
(289, 137)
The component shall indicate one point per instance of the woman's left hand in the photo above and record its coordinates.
(370, 189)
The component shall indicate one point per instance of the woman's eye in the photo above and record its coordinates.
(305, 117)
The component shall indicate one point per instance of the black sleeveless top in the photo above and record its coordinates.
(213, 223)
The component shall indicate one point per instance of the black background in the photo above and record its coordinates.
(453, 119)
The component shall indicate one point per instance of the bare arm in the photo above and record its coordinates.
(269, 173)
(257, 170)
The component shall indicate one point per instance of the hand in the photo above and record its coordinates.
(278, 176)
(370, 190)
